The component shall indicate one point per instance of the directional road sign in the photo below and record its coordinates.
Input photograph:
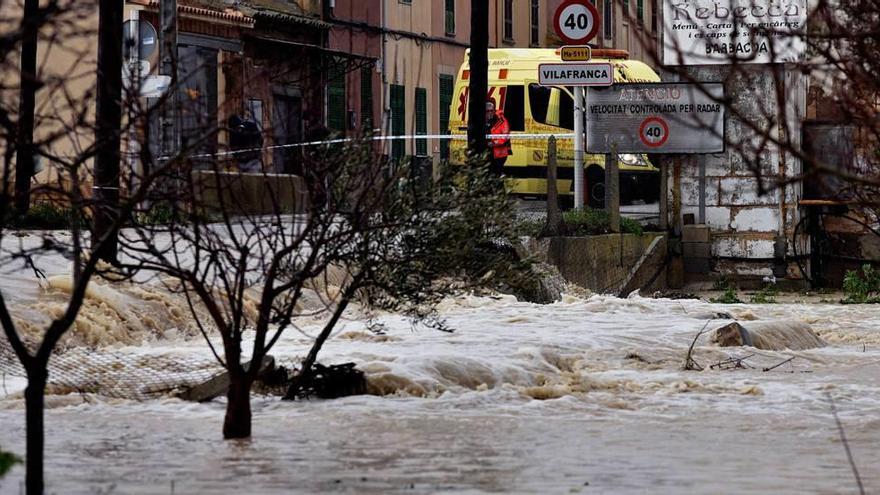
(576, 74)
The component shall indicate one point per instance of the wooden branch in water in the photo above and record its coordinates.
(690, 364)
(780, 364)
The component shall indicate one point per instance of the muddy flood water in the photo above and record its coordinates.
(586, 395)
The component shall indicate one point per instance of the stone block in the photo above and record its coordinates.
(717, 217)
(742, 246)
(756, 220)
(697, 249)
(741, 191)
(696, 265)
(695, 233)
(690, 190)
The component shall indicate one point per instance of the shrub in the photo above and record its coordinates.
(46, 216)
(862, 287)
(7, 460)
(767, 295)
(161, 213)
(729, 297)
(589, 221)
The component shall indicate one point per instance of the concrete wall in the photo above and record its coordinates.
(601, 263)
(250, 194)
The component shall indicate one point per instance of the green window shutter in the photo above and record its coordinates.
(367, 98)
(421, 121)
(336, 101)
(640, 10)
(398, 120)
(450, 16)
(447, 84)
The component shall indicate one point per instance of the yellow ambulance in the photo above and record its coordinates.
(532, 109)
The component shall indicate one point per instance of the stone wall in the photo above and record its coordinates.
(605, 263)
(250, 194)
(743, 212)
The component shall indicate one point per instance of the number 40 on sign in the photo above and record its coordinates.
(576, 21)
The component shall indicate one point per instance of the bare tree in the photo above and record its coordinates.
(65, 139)
(245, 260)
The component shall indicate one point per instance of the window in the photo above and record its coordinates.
(640, 11)
(551, 106)
(608, 19)
(535, 16)
(367, 98)
(450, 16)
(447, 86)
(255, 111)
(508, 20)
(198, 93)
(625, 10)
(421, 121)
(398, 120)
(336, 101)
(654, 16)
(514, 106)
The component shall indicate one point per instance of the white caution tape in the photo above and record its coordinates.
(459, 137)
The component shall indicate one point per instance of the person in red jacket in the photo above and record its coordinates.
(499, 146)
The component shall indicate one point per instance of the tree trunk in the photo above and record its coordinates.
(479, 82)
(237, 423)
(24, 157)
(35, 410)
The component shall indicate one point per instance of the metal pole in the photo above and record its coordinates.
(24, 156)
(108, 114)
(479, 83)
(167, 67)
(578, 147)
(702, 205)
(664, 193)
(135, 85)
(612, 189)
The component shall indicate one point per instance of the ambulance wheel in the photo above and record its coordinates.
(595, 186)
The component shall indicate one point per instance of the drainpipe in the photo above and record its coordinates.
(386, 97)
(780, 245)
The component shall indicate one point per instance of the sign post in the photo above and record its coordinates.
(577, 22)
(579, 75)
(578, 147)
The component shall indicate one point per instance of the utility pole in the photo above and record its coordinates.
(478, 87)
(168, 67)
(24, 155)
(107, 132)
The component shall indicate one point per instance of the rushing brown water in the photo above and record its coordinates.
(581, 396)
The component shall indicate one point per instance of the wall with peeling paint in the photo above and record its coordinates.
(742, 196)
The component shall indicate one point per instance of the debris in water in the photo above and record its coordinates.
(769, 335)
(328, 382)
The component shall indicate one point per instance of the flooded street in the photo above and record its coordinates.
(580, 396)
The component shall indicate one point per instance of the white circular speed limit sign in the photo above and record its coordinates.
(576, 21)
(654, 131)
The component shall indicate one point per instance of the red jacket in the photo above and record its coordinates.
(500, 145)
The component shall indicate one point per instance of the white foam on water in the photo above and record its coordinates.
(519, 398)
